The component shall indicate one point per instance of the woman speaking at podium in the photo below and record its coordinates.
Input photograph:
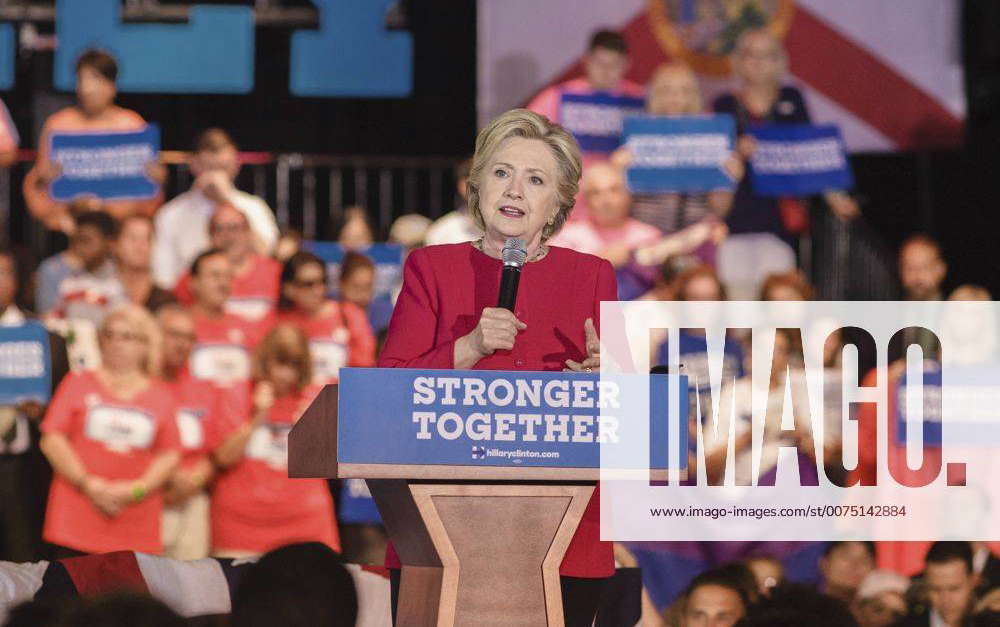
(523, 183)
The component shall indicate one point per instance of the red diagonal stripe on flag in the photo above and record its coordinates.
(871, 90)
(835, 66)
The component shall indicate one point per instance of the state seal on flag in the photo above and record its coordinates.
(702, 33)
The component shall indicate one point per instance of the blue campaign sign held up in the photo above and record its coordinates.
(678, 154)
(388, 259)
(352, 55)
(931, 392)
(107, 165)
(7, 56)
(212, 53)
(490, 418)
(25, 367)
(596, 119)
(798, 160)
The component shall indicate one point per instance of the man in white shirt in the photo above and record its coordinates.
(182, 223)
(456, 226)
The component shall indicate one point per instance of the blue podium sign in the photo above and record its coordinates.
(111, 166)
(522, 419)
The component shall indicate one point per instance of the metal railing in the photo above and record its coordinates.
(307, 192)
(844, 260)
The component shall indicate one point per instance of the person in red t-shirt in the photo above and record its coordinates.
(254, 292)
(255, 506)
(223, 341)
(199, 406)
(111, 437)
(339, 333)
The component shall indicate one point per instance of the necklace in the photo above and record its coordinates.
(480, 245)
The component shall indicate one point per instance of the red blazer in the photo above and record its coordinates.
(445, 289)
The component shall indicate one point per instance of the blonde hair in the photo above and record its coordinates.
(284, 343)
(142, 322)
(529, 125)
(677, 69)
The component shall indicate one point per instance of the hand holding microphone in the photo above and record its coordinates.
(498, 326)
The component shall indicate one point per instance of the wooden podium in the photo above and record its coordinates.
(480, 544)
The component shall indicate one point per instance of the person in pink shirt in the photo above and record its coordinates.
(604, 67)
(256, 278)
(608, 231)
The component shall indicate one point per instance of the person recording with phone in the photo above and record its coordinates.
(521, 190)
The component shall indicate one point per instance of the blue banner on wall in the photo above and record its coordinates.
(491, 418)
(25, 366)
(107, 165)
(388, 260)
(596, 119)
(799, 160)
(352, 55)
(213, 52)
(678, 154)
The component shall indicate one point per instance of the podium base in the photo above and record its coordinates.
(480, 553)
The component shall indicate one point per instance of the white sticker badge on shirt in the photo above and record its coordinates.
(189, 427)
(224, 364)
(328, 357)
(120, 429)
(269, 444)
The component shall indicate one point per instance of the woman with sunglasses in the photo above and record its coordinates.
(255, 506)
(111, 437)
(339, 333)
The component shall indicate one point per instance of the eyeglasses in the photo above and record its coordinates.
(124, 336)
(308, 282)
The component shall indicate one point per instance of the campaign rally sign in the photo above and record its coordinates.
(798, 160)
(931, 406)
(111, 166)
(25, 367)
(494, 418)
(388, 259)
(596, 119)
(678, 154)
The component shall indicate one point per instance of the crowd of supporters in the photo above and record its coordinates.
(187, 337)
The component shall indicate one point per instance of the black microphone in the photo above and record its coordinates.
(514, 256)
